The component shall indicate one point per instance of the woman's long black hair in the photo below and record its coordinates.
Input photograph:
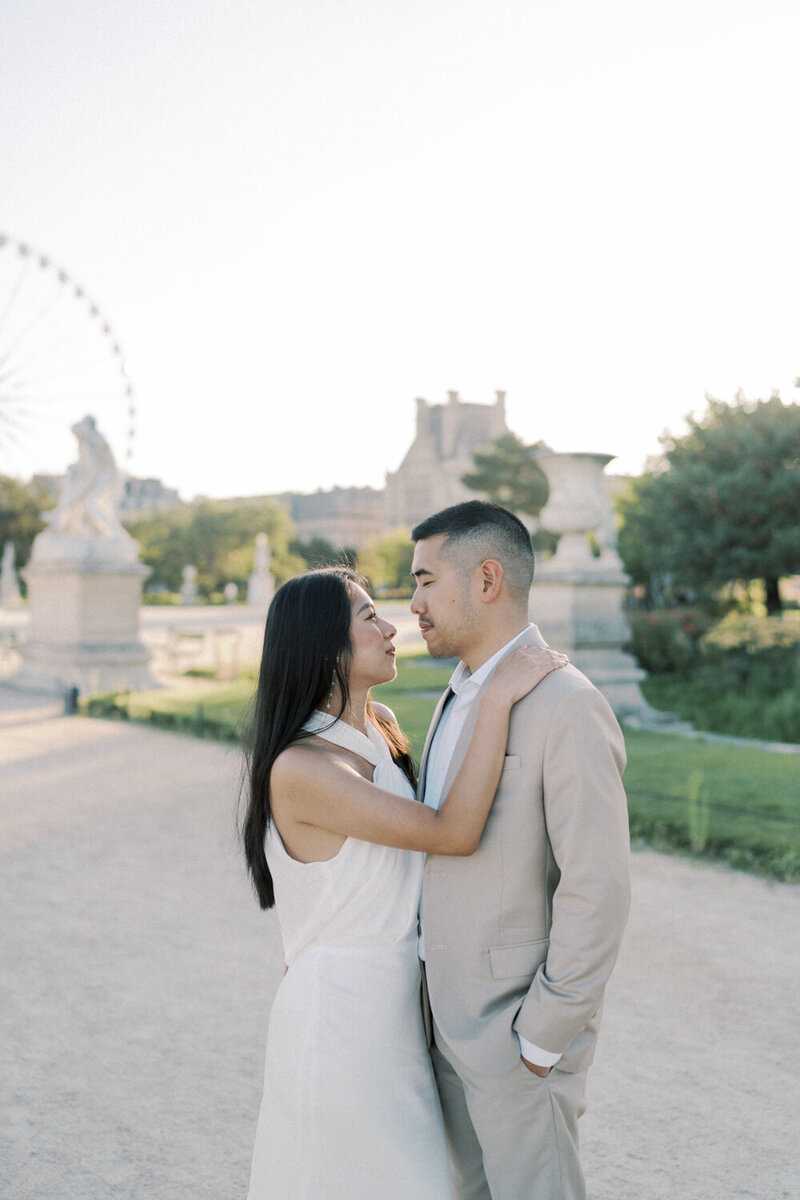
(306, 648)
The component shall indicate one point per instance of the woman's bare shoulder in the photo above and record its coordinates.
(299, 759)
(306, 761)
(383, 710)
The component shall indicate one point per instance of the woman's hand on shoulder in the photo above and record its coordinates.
(520, 672)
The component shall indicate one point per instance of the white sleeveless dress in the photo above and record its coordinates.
(350, 1109)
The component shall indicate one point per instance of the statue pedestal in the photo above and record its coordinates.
(85, 585)
(260, 590)
(577, 613)
(261, 586)
(577, 598)
(584, 618)
(577, 602)
(84, 628)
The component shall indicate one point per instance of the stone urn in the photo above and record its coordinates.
(577, 596)
(578, 505)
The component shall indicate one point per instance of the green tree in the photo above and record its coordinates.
(21, 515)
(722, 505)
(217, 537)
(507, 474)
(386, 561)
(319, 552)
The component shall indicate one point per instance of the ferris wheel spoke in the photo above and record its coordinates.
(59, 358)
(35, 424)
(12, 297)
(36, 320)
(10, 439)
(39, 353)
(19, 435)
(85, 366)
(61, 397)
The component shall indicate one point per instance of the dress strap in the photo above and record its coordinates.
(373, 748)
(341, 734)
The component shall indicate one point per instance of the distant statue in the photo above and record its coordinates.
(189, 585)
(262, 555)
(231, 593)
(85, 524)
(9, 587)
(260, 585)
(88, 503)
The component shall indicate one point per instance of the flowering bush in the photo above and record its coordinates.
(666, 642)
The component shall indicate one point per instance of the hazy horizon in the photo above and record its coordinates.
(297, 217)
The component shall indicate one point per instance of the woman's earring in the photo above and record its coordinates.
(333, 685)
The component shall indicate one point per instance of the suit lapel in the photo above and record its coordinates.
(444, 699)
(462, 745)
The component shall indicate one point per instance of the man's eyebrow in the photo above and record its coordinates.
(369, 604)
(421, 571)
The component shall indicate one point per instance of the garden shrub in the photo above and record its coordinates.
(761, 654)
(762, 647)
(666, 642)
(743, 680)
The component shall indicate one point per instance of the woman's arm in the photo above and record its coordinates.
(318, 790)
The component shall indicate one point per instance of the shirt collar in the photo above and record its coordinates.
(462, 682)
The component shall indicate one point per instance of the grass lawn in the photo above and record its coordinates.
(205, 709)
(413, 694)
(740, 804)
(737, 803)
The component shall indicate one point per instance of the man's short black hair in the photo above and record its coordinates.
(490, 531)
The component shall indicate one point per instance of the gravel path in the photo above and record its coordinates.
(137, 974)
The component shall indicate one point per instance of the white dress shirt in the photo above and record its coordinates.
(465, 687)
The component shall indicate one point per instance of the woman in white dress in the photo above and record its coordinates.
(333, 838)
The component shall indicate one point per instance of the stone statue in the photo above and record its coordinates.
(9, 588)
(261, 586)
(85, 525)
(85, 586)
(262, 556)
(189, 585)
(88, 503)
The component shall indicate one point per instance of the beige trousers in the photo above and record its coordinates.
(513, 1136)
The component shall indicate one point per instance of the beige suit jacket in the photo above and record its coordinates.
(522, 935)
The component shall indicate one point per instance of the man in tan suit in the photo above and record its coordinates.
(519, 939)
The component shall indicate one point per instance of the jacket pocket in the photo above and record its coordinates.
(519, 961)
(512, 762)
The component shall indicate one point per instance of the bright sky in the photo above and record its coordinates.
(298, 215)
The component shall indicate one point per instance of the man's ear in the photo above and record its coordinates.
(491, 576)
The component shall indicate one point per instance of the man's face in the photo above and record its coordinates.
(443, 601)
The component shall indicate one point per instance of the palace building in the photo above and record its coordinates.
(429, 477)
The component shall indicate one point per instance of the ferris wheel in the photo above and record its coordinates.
(59, 361)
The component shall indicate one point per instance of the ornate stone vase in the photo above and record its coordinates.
(577, 597)
(576, 507)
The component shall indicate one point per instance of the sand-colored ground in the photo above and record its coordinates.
(137, 973)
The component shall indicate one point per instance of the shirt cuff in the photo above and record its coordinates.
(535, 1054)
